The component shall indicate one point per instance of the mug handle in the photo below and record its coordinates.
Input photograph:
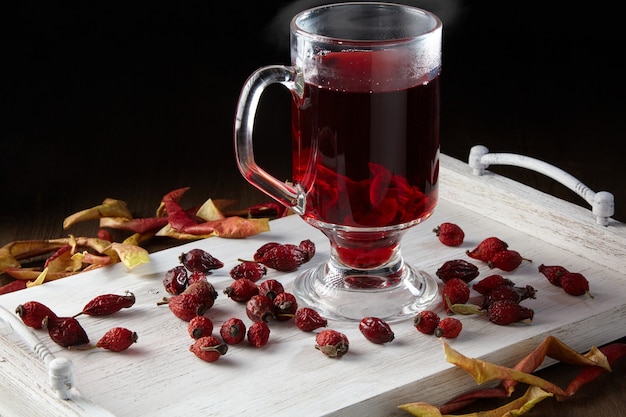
(290, 195)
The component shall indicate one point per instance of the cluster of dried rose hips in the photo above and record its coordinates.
(501, 297)
(68, 332)
(429, 322)
(573, 283)
(192, 296)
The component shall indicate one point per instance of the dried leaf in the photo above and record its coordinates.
(483, 371)
(421, 409)
(109, 208)
(28, 274)
(13, 286)
(231, 227)
(517, 407)
(130, 255)
(209, 211)
(612, 352)
(13, 252)
(39, 280)
(138, 225)
(177, 217)
(551, 346)
(62, 261)
(554, 348)
(138, 238)
(169, 231)
(99, 245)
(90, 258)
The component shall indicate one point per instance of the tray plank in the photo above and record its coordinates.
(159, 376)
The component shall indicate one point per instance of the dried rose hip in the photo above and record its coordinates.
(455, 291)
(106, 304)
(508, 292)
(487, 248)
(376, 330)
(506, 312)
(332, 343)
(285, 306)
(185, 306)
(117, 339)
(270, 288)
(485, 285)
(263, 249)
(506, 260)
(260, 308)
(199, 260)
(308, 247)
(65, 331)
(553, 273)
(32, 313)
(196, 276)
(449, 327)
(258, 334)
(251, 270)
(575, 283)
(450, 234)
(176, 280)
(233, 331)
(200, 326)
(281, 257)
(457, 268)
(208, 348)
(204, 290)
(241, 290)
(308, 319)
(426, 321)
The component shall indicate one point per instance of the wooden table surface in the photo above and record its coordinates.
(132, 111)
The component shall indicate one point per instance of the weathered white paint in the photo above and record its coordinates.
(159, 376)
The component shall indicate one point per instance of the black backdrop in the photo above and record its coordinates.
(110, 98)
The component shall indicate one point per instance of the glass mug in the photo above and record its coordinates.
(364, 80)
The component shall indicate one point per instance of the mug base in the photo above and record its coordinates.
(351, 296)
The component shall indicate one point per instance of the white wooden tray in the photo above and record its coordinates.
(158, 376)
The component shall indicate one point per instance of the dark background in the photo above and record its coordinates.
(103, 101)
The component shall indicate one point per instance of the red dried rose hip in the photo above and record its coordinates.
(241, 290)
(376, 330)
(487, 248)
(455, 291)
(32, 313)
(117, 339)
(233, 331)
(270, 288)
(426, 321)
(285, 306)
(65, 331)
(176, 280)
(258, 334)
(450, 234)
(308, 319)
(457, 268)
(332, 343)
(199, 260)
(208, 348)
(449, 327)
(251, 270)
(260, 308)
(200, 326)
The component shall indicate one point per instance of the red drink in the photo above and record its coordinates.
(367, 154)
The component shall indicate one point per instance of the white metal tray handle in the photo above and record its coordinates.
(602, 203)
(60, 370)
